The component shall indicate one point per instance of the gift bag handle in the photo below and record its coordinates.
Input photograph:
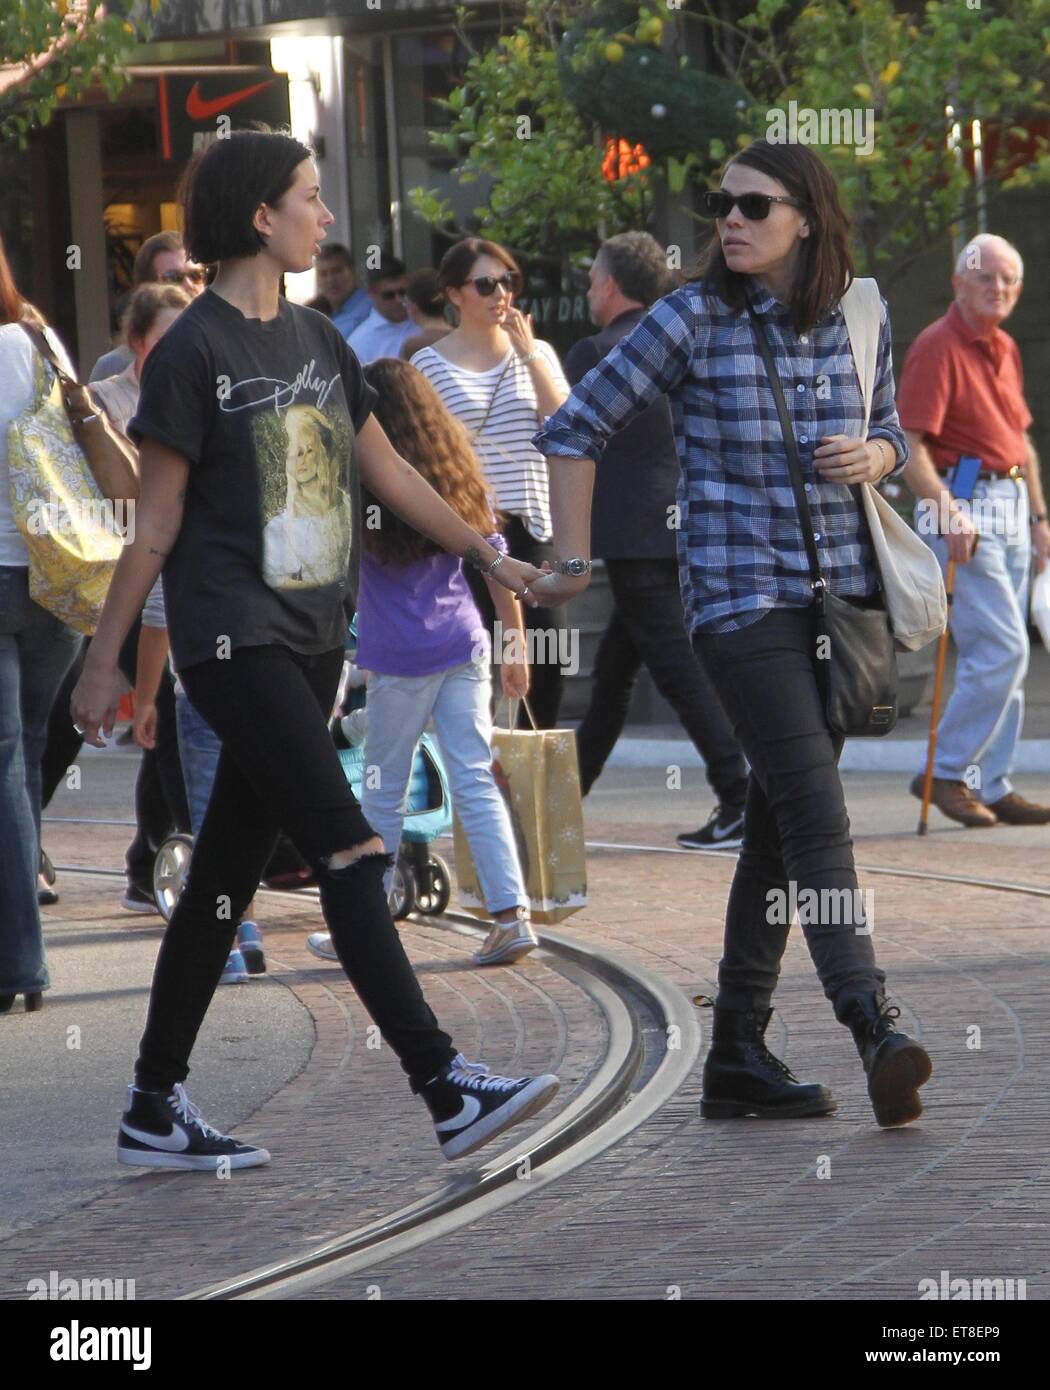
(513, 712)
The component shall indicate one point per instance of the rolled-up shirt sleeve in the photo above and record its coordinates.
(884, 422)
(645, 364)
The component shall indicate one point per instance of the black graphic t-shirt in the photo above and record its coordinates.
(266, 412)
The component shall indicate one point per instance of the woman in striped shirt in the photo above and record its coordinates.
(502, 383)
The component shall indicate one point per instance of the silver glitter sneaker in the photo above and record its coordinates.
(507, 941)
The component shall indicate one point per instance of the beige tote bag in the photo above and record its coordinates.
(913, 589)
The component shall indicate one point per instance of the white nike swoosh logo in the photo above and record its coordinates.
(468, 1113)
(178, 1141)
(733, 829)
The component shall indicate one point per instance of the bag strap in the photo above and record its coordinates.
(46, 351)
(861, 307)
(480, 429)
(512, 712)
(794, 467)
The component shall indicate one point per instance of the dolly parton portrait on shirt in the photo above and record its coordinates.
(301, 456)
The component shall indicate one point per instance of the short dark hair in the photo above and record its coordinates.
(422, 290)
(143, 272)
(638, 264)
(825, 266)
(458, 262)
(389, 268)
(336, 251)
(226, 182)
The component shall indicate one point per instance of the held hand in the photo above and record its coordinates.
(519, 577)
(839, 459)
(962, 536)
(93, 705)
(1040, 545)
(554, 589)
(514, 679)
(518, 328)
(144, 729)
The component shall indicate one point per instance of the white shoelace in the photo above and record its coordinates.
(475, 1078)
(189, 1113)
(461, 1063)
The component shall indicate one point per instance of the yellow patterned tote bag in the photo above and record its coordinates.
(69, 527)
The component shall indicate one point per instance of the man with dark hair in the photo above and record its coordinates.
(348, 303)
(161, 257)
(388, 324)
(633, 528)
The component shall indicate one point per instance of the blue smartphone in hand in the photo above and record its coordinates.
(964, 477)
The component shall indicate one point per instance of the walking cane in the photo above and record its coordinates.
(938, 681)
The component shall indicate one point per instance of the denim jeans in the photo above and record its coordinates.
(199, 749)
(796, 830)
(35, 651)
(981, 724)
(458, 700)
(547, 681)
(269, 706)
(647, 627)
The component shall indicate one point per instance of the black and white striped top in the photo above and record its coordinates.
(516, 470)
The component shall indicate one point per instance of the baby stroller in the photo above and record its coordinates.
(422, 879)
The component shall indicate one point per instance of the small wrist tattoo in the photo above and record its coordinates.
(472, 555)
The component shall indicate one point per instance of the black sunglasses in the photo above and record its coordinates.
(392, 294)
(754, 206)
(486, 284)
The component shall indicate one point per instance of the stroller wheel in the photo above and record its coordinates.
(402, 898)
(169, 872)
(434, 895)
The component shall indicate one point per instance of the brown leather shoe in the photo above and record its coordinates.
(1012, 809)
(956, 801)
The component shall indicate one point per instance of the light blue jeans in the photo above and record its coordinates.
(979, 731)
(36, 651)
(458, 701)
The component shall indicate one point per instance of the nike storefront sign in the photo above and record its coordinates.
(194, 109)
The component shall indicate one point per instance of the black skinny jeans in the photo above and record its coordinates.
(279, 767)
(647, 627)
(545, 676)
(795, 822)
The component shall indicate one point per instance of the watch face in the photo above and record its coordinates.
(575, 567)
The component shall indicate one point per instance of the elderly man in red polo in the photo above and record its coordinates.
(962, 393)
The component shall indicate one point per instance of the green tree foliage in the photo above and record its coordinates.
(54, 50)
(986, 60)
(513, 126)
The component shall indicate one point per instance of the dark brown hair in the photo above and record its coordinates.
(151, 248)
(10, 299)
(437, 446)
(146, 303)
(458, 262)
(825, 264)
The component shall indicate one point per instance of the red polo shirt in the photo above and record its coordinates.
(964, 391)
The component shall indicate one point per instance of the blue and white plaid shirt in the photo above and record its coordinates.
(740, 546)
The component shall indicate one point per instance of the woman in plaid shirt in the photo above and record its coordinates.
(782, 247)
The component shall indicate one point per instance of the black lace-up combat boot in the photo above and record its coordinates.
(742, 1077)
(896, 1065)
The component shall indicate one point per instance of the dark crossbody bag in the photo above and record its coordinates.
(861, 664)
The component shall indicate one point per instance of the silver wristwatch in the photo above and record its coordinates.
(576, 567)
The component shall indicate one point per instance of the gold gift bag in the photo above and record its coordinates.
(538, 775)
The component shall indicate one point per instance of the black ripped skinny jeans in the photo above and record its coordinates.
(279, 767)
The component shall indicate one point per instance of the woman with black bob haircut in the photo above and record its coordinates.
(260, 650)
(780, 261)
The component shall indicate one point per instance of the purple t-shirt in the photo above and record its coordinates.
(420, 618)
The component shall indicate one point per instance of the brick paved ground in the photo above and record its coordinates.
(731, 1210)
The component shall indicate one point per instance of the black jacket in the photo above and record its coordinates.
(635, 482)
